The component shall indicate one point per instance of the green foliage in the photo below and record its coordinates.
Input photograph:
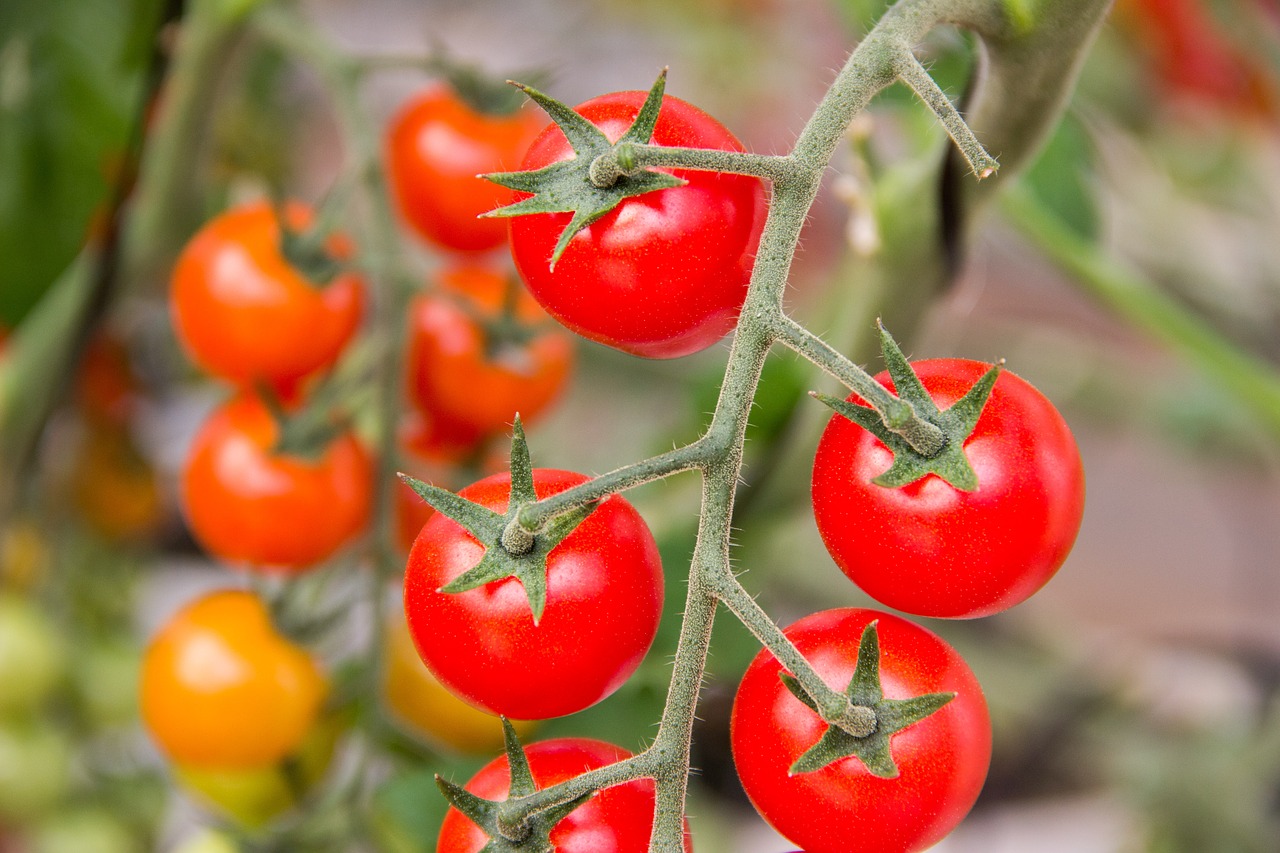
(69, 87)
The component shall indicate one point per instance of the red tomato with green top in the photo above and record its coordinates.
(942, 759)
(604, 601)
(932, 550)
(615, 820)
(436, 148)
(664, 274)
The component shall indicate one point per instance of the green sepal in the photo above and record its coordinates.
(536, 830)
(566, 187)
(956, 423)
(892, 716)
(487, 526)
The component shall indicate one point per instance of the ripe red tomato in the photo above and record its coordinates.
(436, 148)
(931, 549)
(663, 274)
(221, 688)
(462, 373)
(604, 601)
(270, 511)
(245, 314)
(616, 820)
(942, 760)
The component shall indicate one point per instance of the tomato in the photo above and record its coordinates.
(942, 759)
(35, 768)
(84, 829)
(105, 677)
(207, 841)
(275, 512)
(931, 549)
(252, 797)
(604, 601)
(114, 487)
(425, 707)
(245, 314)
(615, 820)
(105, 386)
(32, 656)
(221, 688)
(24, 555)
(436, 148)
(663, 274)
(465, 368)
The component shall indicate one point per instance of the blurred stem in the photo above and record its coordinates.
(1139, 301)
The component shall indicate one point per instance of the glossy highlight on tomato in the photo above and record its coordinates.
(245, 314)
(464, 368)
(615, 820)
(932, 550)
(664, 274)
(268, 511)
(942, 760)
(437, 147)
(222, 688)
(604, 602)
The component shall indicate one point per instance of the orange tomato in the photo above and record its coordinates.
(246, 314)
(222, 688)
(471, 365)
(250, 505)
(114, 487)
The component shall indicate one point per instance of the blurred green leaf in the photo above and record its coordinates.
(1061, 178)
(70, 73)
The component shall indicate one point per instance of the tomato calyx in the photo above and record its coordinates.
(956, 424)
(306, 249)
(529, 834)
(569, 185)
(865, 694)
(511, 550)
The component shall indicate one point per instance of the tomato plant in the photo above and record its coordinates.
(222, 688)
(616, 820)
(436, 148)
(250, 504)
(603, 603)
(941, 760)
(420, 703)
(245, 311)
(929, 548)
(663, 274)
(477, 355)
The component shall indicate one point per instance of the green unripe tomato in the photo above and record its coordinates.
(105, 677)
(32, 659)
(35, 769)
(83, 830)
(207, 841)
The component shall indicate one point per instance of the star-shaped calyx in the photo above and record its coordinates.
(509, 550)
(865, 692)
(533, 834)
(956, 423)
(567, 186)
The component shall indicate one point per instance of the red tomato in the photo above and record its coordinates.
(245, 314)
(942, 760)
(615, 820)
(271, 511)
(105, 385)
(437, 146)
(931, 549)
(663, 274)
(221, 688)
(604, 601)
(456, 373)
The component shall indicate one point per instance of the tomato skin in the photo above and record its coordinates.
(33, 656)
(932, 550)
(436, 148)
(245, 314)
(604, 601)
(942, 760)
(663, 274)
(271, 512)
(425, 707)
(615, 820)
(452, 377)
(222, 689)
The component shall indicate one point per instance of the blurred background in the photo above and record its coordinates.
(1132, 273)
